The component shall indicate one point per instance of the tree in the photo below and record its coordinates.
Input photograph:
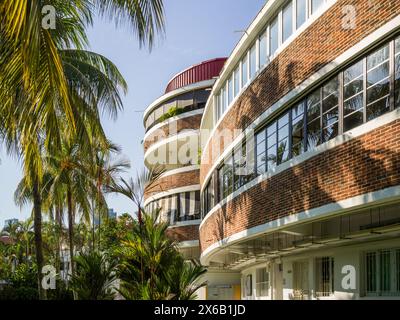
(95, 277)
(41, 84)
(151, 266)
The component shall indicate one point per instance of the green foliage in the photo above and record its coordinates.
(22, 284)
(151, 266)
(172, 112)
(94, 277)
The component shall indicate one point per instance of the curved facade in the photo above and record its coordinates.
(300, 169)
(300, 161)
(171, 142)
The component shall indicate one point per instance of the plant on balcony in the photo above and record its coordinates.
(172, 112)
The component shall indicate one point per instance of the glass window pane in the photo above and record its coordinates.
(330, 94)
(301, 12)
(253, 61)
(353, 120)
(316, 4)
(353, 72)
(273, 36)
(271, 158)
(237, 81)
(245, 73)
(298, 129)
(354, 87)
(287, 15)
(397, 77)
(283, 150)
(230, 91)
(385, 268)
(263, 49)
(223, 100)
(378, 57)
(353, 104)
(331, 131)
(370, 264)
(260, 151)
(378, 100)
(313, 134)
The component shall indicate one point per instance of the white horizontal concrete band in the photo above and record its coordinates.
(179, 136)
(317, 77)
(173, 119)
(186, 224)
(171, 192)
(188, 244)
(378, 197)
(339, 140)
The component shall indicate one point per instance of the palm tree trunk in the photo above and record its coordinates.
(70, 229)
(58, 236)
(37, 218)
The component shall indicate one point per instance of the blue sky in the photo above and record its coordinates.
(195, 31)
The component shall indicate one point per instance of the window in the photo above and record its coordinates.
(382, 272)
(330, 109)
(314, 120)
(230, 91)
(287, 16)
(324, 285)
(226, 178)
(362, 91)
(301, 14)
(263, 49)
(261, 155)
(315, 5)
(273, 36)
(208, 197)
(223, 100)
(243, 164)
(397, 73)
(378, 86)
(298, 129)
(283, 139)
(272, 157)
(245, 71)
(236, 81)
(353, 104)
(262, 282)
(253, 61)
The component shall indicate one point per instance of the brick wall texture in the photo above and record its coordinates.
(172, 182)
(318, 45)
(365, 164)
(186, 233)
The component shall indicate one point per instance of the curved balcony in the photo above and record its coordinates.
(177, 151)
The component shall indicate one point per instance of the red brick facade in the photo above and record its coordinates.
(184, 233)
(188, 123)
(318, 45)
(365, 164)
(172, 182)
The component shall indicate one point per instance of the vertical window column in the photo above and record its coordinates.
(330, 109)
(397, 73)
(378, 83)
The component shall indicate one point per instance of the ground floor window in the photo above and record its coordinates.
(382, 272)
(324, 282)
(262, 282)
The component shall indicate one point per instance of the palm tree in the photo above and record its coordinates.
(151, 266)
(104, 173)
(95, 277)
(34, 77)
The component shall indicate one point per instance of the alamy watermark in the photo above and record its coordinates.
(49, 17)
